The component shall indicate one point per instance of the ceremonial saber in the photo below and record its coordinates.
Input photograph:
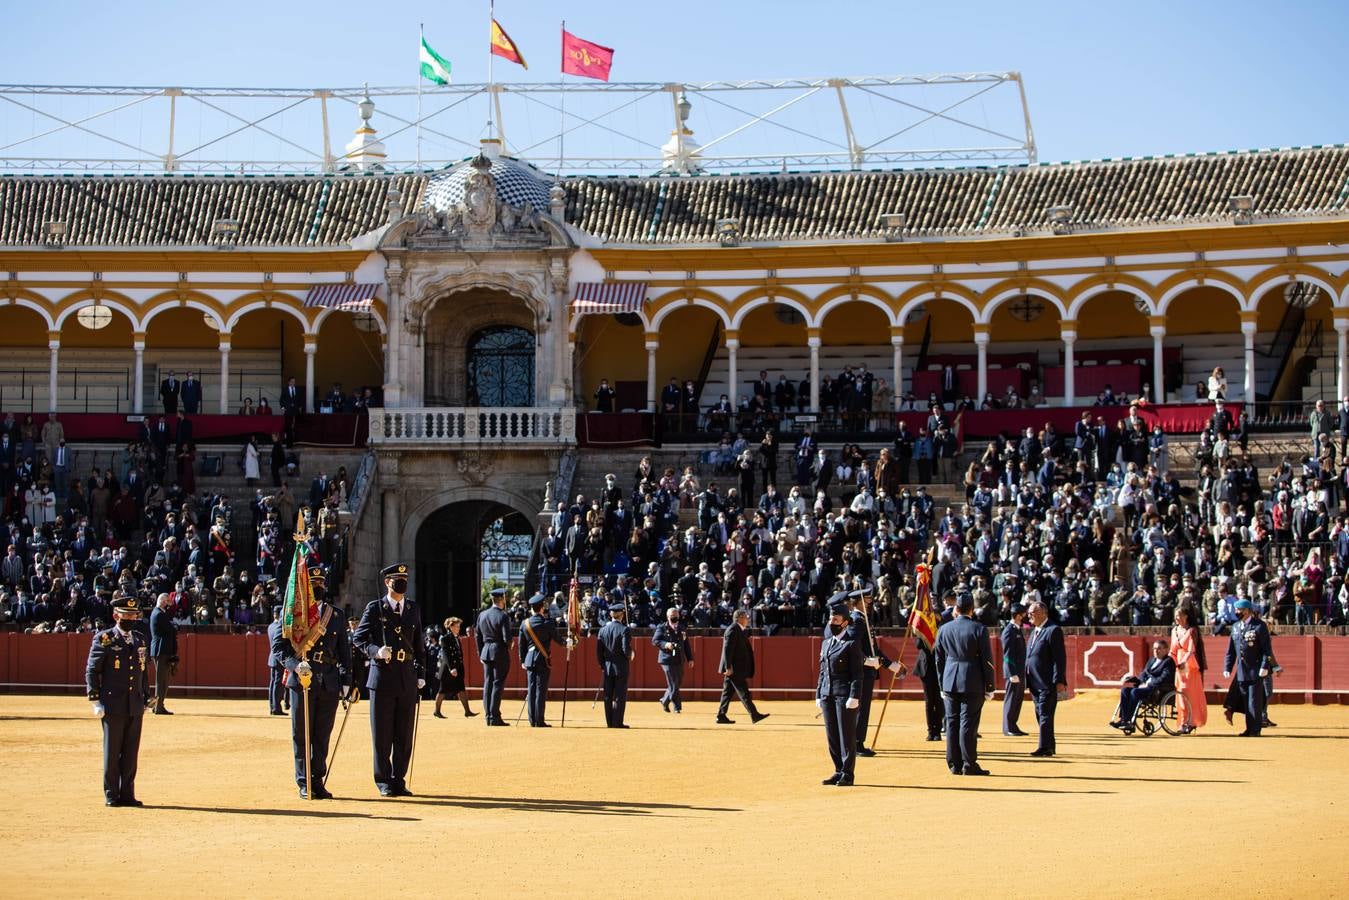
(416, 720)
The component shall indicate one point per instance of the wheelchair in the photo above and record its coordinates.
(1153, 715)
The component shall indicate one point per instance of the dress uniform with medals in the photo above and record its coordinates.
(537, 635)
(329, 664)
(838, 690)
(613, 651)
(674, 651)
(118, 685)
(390, 636)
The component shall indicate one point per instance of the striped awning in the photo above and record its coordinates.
(348, 296)
(609, 297)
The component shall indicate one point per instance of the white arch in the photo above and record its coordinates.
(574, 320)
(1273, 283)
(258, 304)
(1010, 293)
(194, 304)
(765, 301)
(848, 298)
(1080, 300)
(118, 305)
(690, 301)
(328, 311)
(35, 307)
(1165, 302)
(918, 301)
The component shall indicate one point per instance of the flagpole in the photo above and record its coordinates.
(562, 99)
(491, 18)
(421, 33)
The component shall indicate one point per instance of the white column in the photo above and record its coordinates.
(394, 333)
(897, 342)
(981, 345)
(224, 375)
(138, 379)
(53, 344)
(651, 348)
(1069, 395)
(1341, 359)
(393, 524)
(814, 344)
(309, 390)
(1248, 381)
(1158, 387)
(733, 370)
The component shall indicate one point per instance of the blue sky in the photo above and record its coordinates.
(1102, 79)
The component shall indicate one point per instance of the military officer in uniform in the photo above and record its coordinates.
(276, 673)
(537, 636)
(1250, 652)
(838, 691)
(329, 664)
(673, 652)
(613, 649)
(493, 637)
(873, 660)
(925, 667)
(390, 636)
(119, 687)
(965, 666)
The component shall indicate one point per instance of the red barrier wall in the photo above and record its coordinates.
(1315, 669)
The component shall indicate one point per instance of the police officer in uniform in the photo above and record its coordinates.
(493, 637)
(390, 636)
(119, 687)
(838, 690)
(859, 631)
(537, 636)
(329, 664)
(613, 649)
(673, 652)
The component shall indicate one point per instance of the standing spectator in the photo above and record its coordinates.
(604, 397)
(1217, 385)
(163, 649)
(1187, 650)
(251, 473)
(737, 668)
(278, 459)
(169, 389)
(450, 668)
(292, 405)
(190, 395)
(53, 434)
(669, 404)
(1344, 428)
(1322, 428)
(1046, 674)
(187, 468)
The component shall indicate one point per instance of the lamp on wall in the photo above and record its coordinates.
(1242, 207)
(728, 232)
(54, 233)
(225, 233)
(892, 226)
(94, 317)
(1061, 219)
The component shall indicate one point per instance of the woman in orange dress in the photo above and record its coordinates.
(1187, 649)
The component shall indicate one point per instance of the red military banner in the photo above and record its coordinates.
(584, 58)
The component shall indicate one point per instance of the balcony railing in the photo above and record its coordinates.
(468, 425)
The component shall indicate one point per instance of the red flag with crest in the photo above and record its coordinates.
(584, 58)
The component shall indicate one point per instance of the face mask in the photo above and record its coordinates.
(400, 585)
(124, 624)
(835, 629)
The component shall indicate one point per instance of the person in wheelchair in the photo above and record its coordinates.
(1157, 679)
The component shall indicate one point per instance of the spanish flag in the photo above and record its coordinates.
(300, 615)
(923, 619)
(503, 46)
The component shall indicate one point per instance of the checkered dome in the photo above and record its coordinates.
(518, 184)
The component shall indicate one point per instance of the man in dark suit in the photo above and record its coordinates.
(328, 668)
(390, 636)
(318, 490)
(613, 652)
(1249, 655)
(1013, 671)
(736, 669)
(537, 636)
(278, 459)
(1046, 674)
(965, 668)
(873, 660)
(161, 435)
(1157, 678)
(673, 652)
(164, 649)
(117, 685)
(837, 692)
(190, 394)
(169, 389)
(493, 637)
(925, 668)
(276, 673)
(183, 432)
(292, 405)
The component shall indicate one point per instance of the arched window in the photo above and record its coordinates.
(501, 367)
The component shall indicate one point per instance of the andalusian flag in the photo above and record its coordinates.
(503, 46)
(574, 611)
(923, 618)
(300, 615)
(435, 67)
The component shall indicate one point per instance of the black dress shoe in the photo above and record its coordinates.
(845, 781)
(865, 751)
(722, 720)
(620, 725)
(498, 723)
(278, 712)
(438, 714)
(1014, 734)
(934, 737)
(304, 794)
(1268, 724)
(1041, 752)
(402, 791)
(955, 772)
(130, 802)
(468, 714)
(665, 705)
(163, 712)
(973, 770)
(543, 725)
(384, 791)
(678, 710)
(833, 779)
(321, 793)
(757, 718)
(109, 801)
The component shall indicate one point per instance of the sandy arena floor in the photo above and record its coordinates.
(678, 806)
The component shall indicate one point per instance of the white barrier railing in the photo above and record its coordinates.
(451, 425)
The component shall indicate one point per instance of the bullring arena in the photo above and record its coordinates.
(239, 397)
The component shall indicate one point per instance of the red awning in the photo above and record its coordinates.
(609, 297)
(348, 296)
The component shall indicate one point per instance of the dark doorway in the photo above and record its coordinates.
(450, 556)
(501, 367)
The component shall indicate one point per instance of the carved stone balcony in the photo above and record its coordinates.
(471, 426)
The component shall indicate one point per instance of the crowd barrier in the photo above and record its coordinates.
(1315, 668)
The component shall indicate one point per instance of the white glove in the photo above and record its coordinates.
(384, 653)
(669, 646)
(1264, 673)
(421, 683)
(1227, 674)
(819, 703)
(853, 703)
(454, 672)
(98, 709)
(304, 668)
(1062, 694)
(988, 695)
(872, 662)
(1015, 679)
(945, 695)
(893, 667)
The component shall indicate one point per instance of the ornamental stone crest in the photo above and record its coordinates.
(475, 467)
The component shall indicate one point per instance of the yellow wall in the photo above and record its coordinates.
(1209, 310)
(684, 336)
(951, 324)
(114, 336)
(606, 349)
(1007, 327)
(21, 327)
(853, 324)
(354, 358)
(763, 328)
(262, 329)
(181, 329)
